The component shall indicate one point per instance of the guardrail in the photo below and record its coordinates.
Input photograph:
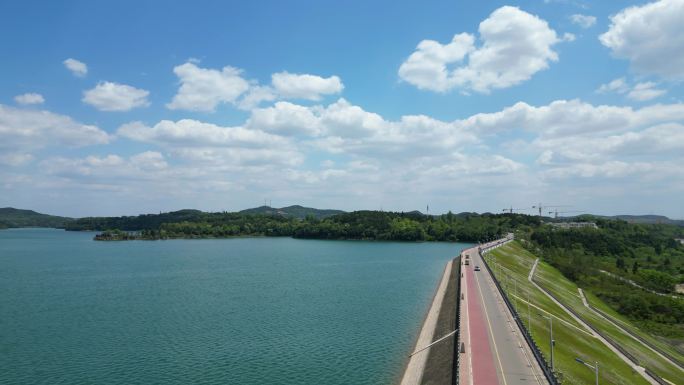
(622, 350)
(457, 342)
(638, 337)
(550, 376)
(656, 377)
(610, 340)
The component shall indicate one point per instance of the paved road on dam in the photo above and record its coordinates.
(495, 352)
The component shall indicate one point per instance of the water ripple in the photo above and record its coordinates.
(242, 311)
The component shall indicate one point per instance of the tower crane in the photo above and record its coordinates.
(510, 210)
(562, 212)
(542, 207)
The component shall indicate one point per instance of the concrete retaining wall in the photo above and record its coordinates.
(435, 365)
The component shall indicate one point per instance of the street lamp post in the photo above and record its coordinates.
(551, 341)
(515, 290)
(529, 316)
(595, 367)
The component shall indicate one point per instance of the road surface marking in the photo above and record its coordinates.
(491, 332)
(470, 351)
(525, 353)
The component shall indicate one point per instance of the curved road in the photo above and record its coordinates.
(495, 352)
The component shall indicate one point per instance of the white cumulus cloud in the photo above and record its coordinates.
(650, 37)
(285, 118)
(641, 92)
(584, 21)
(645, 91)
(202, 89)
(340, 150)
(189, 132)
(426, 68)
(22, 129)
(207, 146)
(515, 46)
(572, 118)
(256, 95)
(305, 86)
(109, 96)
(78, 68)
(618, 85)
(149, 160)
(109, 168)
(29, 98)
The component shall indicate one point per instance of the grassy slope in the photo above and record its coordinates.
(570, 342)
(645, 356)
(626, 324)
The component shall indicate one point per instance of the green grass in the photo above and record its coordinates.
(566, 292)
(626, 324)
(519, 268)
(516, 262)
(563, 289)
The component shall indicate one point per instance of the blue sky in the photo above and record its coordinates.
(133, 107)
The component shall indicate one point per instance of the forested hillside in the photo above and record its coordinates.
(633, 267)
(133, 223)
(295, 211)
(11, 217)
(369, 225)
(155, 221)
(414, 226)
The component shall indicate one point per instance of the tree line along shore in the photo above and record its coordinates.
(607, 259)
(647, 254)
(360, 225)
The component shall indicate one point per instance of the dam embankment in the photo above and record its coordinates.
(433, 360)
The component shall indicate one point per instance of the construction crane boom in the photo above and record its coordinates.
(563, 212)
(511, 209)
(541, 207)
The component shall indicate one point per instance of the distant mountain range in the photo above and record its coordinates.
(155, 221)
(649, 219)
(295, 211)
(11, 217)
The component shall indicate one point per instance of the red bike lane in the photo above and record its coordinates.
(483, 366)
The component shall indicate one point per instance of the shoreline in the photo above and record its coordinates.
(422, 357)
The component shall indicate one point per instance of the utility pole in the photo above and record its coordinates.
(551, 341)
(595, 367)
(529, 315)
(515, 290)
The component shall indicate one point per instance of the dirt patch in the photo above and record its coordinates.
(679, 288)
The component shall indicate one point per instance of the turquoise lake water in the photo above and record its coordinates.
(230, 311)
